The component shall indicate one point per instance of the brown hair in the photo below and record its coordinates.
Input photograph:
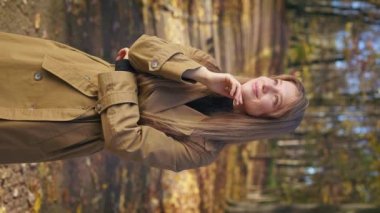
(228, 127)
(301, 95)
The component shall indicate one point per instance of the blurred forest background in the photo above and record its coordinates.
(330, 164)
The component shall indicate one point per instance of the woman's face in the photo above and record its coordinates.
(263, 96)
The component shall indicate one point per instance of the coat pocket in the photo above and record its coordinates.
(84, 82)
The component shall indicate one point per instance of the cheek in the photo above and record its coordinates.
(244, 89)
(253, 107)
(267, 105)
(245, 92)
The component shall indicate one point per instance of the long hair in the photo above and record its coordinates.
(227, 127)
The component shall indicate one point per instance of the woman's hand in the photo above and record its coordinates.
(221, 83)
(122, 63)
(122, 54)
(225, 84)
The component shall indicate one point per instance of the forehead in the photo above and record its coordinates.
(289, 92)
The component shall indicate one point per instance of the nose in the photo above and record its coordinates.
(269, 88)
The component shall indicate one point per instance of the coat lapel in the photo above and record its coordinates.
(171, 104)
(165, 98)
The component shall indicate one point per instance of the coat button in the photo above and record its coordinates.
(37, 76)
(154, 64)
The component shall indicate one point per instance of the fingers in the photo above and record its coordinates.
(238, 100)
(233, 88)
(235, 91)
(122, 54)
(121, 51)
(228, 86)
(238, 96)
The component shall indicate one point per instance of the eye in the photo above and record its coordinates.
(276, 99)
(276, 81)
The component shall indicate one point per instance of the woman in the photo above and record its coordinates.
(57, 102)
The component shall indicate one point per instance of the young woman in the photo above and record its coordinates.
(174, 111)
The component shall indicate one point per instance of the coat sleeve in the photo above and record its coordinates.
(157, 56)
(118, 107)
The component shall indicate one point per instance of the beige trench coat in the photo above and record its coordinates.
(57, 102)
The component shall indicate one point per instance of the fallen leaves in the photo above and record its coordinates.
(37, 21)
(3, 209)
(38, 202)
(181, 192)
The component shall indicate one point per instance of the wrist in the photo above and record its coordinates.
(204, 75)
(201, 75)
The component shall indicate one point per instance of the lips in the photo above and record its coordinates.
(255, 92)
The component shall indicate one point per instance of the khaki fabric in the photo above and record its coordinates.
(57, 102)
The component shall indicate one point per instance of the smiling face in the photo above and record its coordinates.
(264, 96)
